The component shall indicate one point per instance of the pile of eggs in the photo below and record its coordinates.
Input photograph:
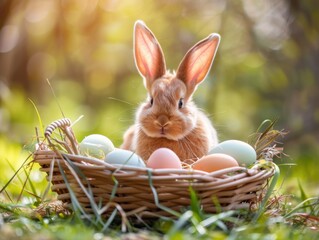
(230, 153)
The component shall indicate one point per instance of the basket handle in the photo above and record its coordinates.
(64, 124)
(61, 123)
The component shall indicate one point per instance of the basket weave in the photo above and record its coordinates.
(142, 192)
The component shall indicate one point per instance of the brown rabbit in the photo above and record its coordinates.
(169, 118)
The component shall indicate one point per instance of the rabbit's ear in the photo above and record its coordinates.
(148, 54)
(197, 62)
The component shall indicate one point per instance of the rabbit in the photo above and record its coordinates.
(169, 118)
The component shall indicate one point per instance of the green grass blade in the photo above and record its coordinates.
(88, 192)
(27, 173)
(303, 205)
(265, 122)
(195, 204)
(109, 221)
(39, 117)
(182, 221)
(14, 170)
(55, 97)
(303, 195)
(28, 180)
(170, 211)
(115, 187)
(271, 187)
(15, 174)
(6, 193)
(97, 220)
(48, 187)
(77, 208)
(217, 204)
(217, 217)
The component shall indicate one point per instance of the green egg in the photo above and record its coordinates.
(96, 145)
(244, 153)
(124, 157)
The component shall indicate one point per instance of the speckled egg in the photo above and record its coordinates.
(96, 145)
(124, 157)
(214, 162)
(241, 151)
(164, 158)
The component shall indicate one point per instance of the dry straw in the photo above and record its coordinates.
(143, 192)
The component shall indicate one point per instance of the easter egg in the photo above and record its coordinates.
(241, 151)
(164, 158)
(96, 145)
(124, 157)
(214, 162)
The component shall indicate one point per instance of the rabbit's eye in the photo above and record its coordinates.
(151, 101)
(181, 103)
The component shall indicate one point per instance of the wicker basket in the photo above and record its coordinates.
(142, 192)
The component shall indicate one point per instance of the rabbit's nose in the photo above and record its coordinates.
(162, 120)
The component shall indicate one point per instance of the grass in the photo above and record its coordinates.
(278, 216)
(283, 217)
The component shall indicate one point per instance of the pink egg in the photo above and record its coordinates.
(164, 158)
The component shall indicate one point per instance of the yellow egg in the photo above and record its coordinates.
(214, 162)
(164, 158)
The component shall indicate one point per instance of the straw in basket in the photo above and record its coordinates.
(142, 192)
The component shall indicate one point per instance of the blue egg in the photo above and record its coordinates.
(124, 157)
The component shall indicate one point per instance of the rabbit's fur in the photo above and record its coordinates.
(169, 118)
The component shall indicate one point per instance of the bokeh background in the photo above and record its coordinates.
(73, 58)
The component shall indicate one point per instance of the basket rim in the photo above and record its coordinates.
(96, 164)
(220, 179)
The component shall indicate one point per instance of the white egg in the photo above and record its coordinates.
(244, 154)
(96, 145)
(124, 157)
